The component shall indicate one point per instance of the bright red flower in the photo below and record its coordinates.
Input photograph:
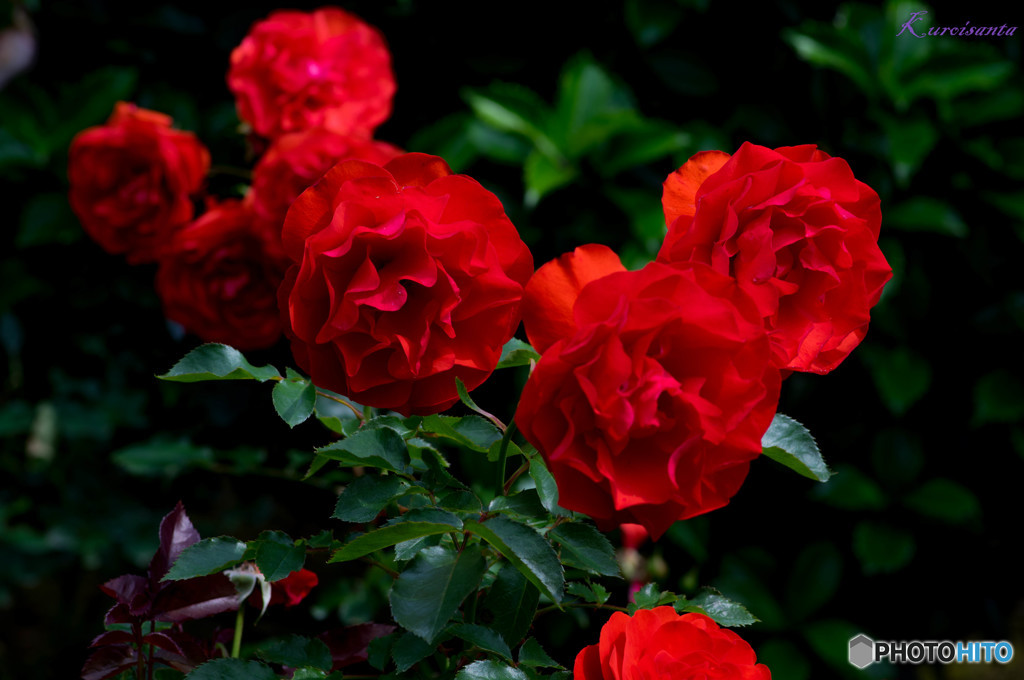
(405, 277)
(295, 161)
(293, 588)
(633, 535)
(653, 390)
(298, 70)
(659, 643)
(219, 277)
(132, 181)
(799, 233)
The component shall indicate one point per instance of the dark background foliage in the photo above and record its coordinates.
(915, 538)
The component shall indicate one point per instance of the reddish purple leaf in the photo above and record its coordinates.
(195, 598)
(187, 652)
(176, 534)
(350, 645)
(119, 614)
(108, 661)
(113, 637)
(125, 588)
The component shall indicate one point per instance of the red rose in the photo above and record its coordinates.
(659, 643)
(405, 277)
(653, 390)
(798, 232)
(293, 588)
(132, 180)
(298, 70)
(219, 278)
(633, 535)
(295, 161)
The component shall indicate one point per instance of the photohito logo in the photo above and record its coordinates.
(864, 651)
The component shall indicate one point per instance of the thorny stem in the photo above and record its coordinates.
(140, 667)
(344, 402)
(503, 455)
(236, 644)
(380, 565)
(515, 475)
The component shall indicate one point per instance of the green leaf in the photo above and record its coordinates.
(505, 147)
(294, 399)
(510, 107)
(742, 578)
(379, 447)
(464, 397)
(785, 659)
(428, 593)
(589, 592)
(543, 174)
(910, 140)
(460, 500)
(308, 673)
(851, 489)
(651, 21)
(648, 141)
(160, 458)
(813, 579)
(494, 453)
(413, 524)
(591, 107)
(901, 376)
(406, 550)
(830, 639)
(277, 555)
(946, 500)
(208, 556)
(788, 442)
(379, 650)
(296, 651)
(517, 353)
(822, 45)
(232, 669)
(409, 649)
(724, 611)
(584, 547)
(524, 505)
(651, 596)
(365, 497)
(882, 548)
(533, 655)
(47, 220)
(217, 362)
(490, 670)
(485, 638)
(951, 81)
(472, 432)
(527, 550)
(922, 213)
(448, 138)
(998, 398)
(512, 602)
(547, 487)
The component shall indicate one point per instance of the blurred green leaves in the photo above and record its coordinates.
(594, 124)
(38, 123)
